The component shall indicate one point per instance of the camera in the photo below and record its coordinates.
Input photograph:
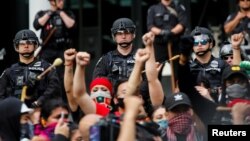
(108, 128)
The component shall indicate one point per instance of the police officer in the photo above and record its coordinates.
(25, 72)
(57, 26)
(226, 53)
(239, 21)
(57, 22)
(118, 64)
(203, 65)
(168, 21)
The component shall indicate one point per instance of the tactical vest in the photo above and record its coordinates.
(120, 66)
(61, 34)
(212, 71)
(21, 73)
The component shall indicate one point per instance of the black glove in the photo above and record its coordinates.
(166, 34)
(186, 44)
(31, 81)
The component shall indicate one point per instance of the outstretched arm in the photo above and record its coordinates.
(79, 85)
(134, 81)
(236, 40)
(128, 127)
(155, 88)
(69, 57)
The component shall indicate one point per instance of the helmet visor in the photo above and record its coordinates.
(27, 42)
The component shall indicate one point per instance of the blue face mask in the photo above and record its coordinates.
(26, 131)
(163, 124)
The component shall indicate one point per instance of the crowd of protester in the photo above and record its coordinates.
(125, 100)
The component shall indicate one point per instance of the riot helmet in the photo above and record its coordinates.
(202, 30)
(26, 35)
(123, 24)
(226, 50)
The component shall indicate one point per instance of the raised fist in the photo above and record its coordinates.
(82, 58)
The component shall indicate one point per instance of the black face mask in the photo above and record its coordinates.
(236, 91)
(120, 103)
(26, 131)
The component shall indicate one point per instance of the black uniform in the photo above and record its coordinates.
(188, 76)
(60, 39)
(166, 18)
(244, 24)
(115, 66)
(14, 78)
(212, 70)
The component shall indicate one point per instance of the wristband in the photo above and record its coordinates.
(236, 48)
(68, 64)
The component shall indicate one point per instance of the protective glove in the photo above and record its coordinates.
(31, 83)
(186, 44)
(166, 34)
(32, 79)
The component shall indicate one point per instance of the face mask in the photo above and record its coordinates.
(100, 96)
(120, 103)
(26, 131)
(163, 124)
(100, 93)
(236, 91)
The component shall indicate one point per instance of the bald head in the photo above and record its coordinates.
(85, 124)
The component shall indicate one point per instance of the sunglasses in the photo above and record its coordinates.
(202, 42)
(227, 57)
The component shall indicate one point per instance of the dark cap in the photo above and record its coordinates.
(176, 99)
(233, 70)
(202, 30)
